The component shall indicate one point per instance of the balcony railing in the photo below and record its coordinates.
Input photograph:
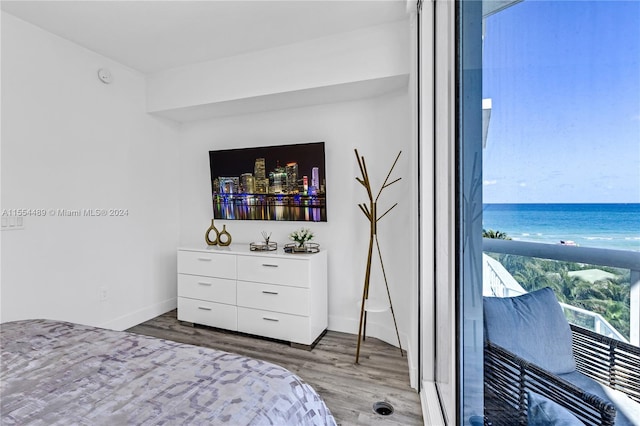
(595, 256)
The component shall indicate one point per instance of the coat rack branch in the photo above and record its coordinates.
(384, 184)
(365, 210)
(390, 208)
(391, 183)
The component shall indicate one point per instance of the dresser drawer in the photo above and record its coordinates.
(275, 325)
(207, 313)
(277, 298)
(273, 270)
(207, 264)
(210, 289)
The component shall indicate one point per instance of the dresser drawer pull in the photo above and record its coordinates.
(204, 308)
(269, 265)
(269, 292)
(203, 283)
(205, 259)
(270, 319)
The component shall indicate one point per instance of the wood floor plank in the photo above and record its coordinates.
(349, 389)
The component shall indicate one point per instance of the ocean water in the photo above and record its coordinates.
(615, 226)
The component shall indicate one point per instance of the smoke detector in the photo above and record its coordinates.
(104, 75)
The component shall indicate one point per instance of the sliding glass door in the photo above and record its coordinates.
(468, 208)
(528, 109)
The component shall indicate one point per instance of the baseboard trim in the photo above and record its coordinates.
(386, 333)
(134, 318)
(413, 370)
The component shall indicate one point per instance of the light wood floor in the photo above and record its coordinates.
(349, 390)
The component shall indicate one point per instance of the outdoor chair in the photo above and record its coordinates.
(539, 370)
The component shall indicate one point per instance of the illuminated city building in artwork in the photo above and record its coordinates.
(259, 169)
(229, 185)
(292, 178)
(315, 181)
(259, 173)
(247, 183)
(277, 180)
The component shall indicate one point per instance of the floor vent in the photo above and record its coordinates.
(383, 408)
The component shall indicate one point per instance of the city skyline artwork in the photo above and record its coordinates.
(283, 182)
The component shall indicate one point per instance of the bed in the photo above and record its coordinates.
(61, 373)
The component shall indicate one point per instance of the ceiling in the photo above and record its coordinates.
(151, 36)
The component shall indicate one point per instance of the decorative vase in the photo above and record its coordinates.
(223, 242)
(207, 238)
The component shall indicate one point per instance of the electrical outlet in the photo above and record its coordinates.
(104, 294)
(10, 223)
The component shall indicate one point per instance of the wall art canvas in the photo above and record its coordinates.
(284, 182)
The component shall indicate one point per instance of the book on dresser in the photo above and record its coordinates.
(270, 294)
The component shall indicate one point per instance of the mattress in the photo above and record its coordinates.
(59, 373)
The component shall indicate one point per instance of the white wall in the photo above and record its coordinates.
(371, 53)
(379, 128)
(72, 142)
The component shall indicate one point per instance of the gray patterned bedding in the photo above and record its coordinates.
(63, 374)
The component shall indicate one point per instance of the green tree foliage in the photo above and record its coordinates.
(608, 297)
(490, 233)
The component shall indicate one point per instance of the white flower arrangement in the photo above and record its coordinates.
(301, 236)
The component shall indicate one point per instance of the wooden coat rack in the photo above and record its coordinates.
(371, 213)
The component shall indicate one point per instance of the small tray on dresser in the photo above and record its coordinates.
(294, 248)
(263, 246)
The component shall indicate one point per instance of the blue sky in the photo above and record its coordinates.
(564, 79)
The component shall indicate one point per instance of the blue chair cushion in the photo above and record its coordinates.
(627, 410)
(542, 411)
(533, 327)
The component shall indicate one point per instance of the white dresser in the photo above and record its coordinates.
(271, 294)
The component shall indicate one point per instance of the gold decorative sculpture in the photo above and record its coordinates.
(207, 234)
(371, 213)
(224, 238)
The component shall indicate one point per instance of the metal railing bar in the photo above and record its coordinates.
(626, 259)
